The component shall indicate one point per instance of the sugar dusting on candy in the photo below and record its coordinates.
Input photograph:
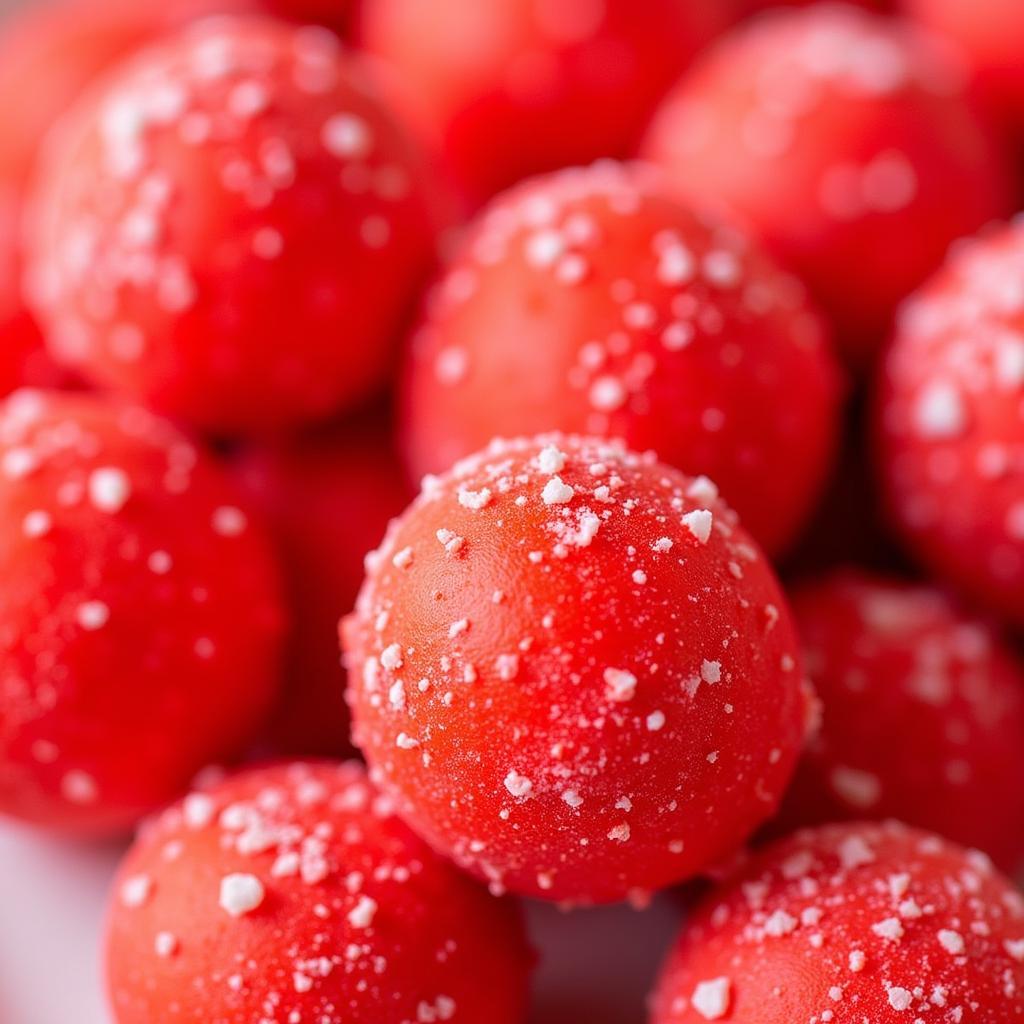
(596, 300)
(837, 134)
(237, 184)
(852, 923)
(297, 897)
(951, 420)
(923, 714)
(140, 616)
(642, 729)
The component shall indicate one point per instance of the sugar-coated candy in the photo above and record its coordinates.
(575, 671)
(852, 923)
(230, 228)
(846, 141)
(291, 894)
(594, 301)
(140, 613)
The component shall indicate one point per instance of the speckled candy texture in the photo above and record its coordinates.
(950, 422)
(575, 671)
(292, 894)
(230, 226)
(922, 714)
(852, 923)
(140, 614)
(593, 300)
(844, 138)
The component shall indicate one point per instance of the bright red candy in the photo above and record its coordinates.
(140, 616)
(923, 715)
(575, 671)
(950, 430)
(49, 52)
(523, 86)
(230, 227)
(593, 301)
(844, 139)
(292, 894)
(329, 499)
(850, 924)
(990, 37)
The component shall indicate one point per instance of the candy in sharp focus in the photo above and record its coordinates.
(293, 893)
(846, 141)
(948, 421)
(593, 300)
(140, 616)
(575, 671)
(922, 714)
(230, 228)
(852, 923)
(519, 87)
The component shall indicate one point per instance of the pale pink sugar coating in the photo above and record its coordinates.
(575, 671)
(291, 894)
(850, 924)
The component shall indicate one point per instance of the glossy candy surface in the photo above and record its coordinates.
(594, 301)
(950, 422)
(852, 923)
(230, 228)
(140, 613)
(575, 671)
(846, 142)
(515, 88)
(293, 894)
(922, 714)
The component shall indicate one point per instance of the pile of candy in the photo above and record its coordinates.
(664, 301)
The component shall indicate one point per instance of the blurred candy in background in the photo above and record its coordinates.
(697, 327)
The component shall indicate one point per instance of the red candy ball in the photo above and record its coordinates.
(230, 227)
(923, 715)
(848, 924)
(843, 138)
(139, 615)
(515, 88)
(329, 499)
(990, 37)
(951, 434)
(593, 301)
(575, 671)
(293, 894)
(50, 52)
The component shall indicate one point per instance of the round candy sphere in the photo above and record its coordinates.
(328, 498)
(575, 671)
(950, 431)
(230, 226)
(293, 893)
(523, 86)
(989, 37)
(843, 138)
(49, 52)
(923, 715)
(595, 301)
(852, 923)
(140, 615)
